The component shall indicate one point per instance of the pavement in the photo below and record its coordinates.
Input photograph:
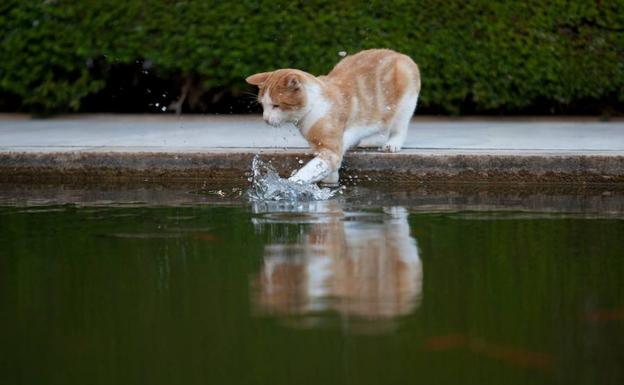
(470, 146)
(97, 133)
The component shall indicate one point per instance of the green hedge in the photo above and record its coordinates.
(475, 56)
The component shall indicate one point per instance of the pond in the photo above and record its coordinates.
(376, 286)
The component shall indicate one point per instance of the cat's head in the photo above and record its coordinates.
(282, 94)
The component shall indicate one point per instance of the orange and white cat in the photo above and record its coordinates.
(371, 93)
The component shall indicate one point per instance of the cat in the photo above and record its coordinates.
(371, 93)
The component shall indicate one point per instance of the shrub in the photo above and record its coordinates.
(475, 56)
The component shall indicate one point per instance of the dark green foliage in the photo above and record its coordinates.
(475, 56)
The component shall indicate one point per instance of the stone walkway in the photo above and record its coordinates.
(134, 133)
(218, 147)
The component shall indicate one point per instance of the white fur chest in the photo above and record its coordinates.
(317, 108)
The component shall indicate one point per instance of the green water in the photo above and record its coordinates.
(329, 294)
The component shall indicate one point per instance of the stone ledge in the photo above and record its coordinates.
(364, 166)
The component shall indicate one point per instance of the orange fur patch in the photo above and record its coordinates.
(285, 89)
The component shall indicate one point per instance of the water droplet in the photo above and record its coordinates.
(267, 185)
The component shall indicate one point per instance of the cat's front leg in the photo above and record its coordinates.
(323, 167)
(332, 179)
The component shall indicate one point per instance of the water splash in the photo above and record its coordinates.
(267, 185)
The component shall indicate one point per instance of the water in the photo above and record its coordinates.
(160, 287)
(267, 185)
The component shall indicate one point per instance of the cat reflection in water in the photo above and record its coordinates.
(364, 268)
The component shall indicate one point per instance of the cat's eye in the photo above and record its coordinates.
(275, 105)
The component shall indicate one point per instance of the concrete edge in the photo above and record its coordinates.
(363, 166)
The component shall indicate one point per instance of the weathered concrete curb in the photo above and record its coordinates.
(536, 199)
(410, 167)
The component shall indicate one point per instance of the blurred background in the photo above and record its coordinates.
(160, 56)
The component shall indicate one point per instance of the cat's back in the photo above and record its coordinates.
(371, 63)
(374, 86)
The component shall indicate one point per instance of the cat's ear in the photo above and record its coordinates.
(258, 79)
(293, 82)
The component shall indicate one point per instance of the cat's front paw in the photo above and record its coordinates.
(332, 180)
(296, 179)
(389, 147)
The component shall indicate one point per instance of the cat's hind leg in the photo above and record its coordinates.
(399, 125)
